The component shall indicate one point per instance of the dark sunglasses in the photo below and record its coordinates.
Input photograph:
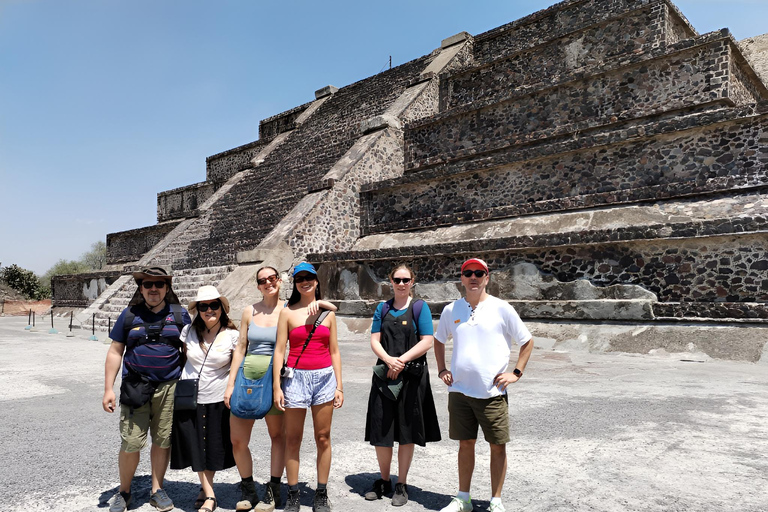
(149, 284)
(213, 306)
(398, 280)
(301, 279)
(476, 273)
(264, 280)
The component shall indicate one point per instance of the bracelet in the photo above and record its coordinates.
(441, 371)
(340, 390)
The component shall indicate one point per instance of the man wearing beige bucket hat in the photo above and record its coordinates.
(145, 338)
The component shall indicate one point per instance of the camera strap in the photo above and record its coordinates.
(320, 318)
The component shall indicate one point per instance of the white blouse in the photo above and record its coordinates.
(215, 375)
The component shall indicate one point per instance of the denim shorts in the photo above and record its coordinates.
(309, 387)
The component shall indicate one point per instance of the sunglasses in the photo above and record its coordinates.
(398, 280)
(301, 279)
(147, 285)
(213, 306)
(264, 280)
(476, 273)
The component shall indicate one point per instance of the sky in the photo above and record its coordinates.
(105, 103)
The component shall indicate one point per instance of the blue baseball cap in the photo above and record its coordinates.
(304, 267)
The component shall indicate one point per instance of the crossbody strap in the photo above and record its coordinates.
(320, 318)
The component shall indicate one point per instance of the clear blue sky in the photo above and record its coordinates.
(103, 104)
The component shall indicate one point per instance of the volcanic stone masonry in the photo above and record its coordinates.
(607, 160)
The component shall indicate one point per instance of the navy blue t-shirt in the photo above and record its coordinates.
(160, 362)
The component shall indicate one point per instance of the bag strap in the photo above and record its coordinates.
(320, 318)
(416, 304)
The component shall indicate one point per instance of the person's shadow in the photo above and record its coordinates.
(361, 483)
(183, 494)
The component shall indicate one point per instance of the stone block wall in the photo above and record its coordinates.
(222, 166)
(80, 290)
(586, 50)
(129, 246)
(273, 126)
(696, 77)
(669, 159)
(183, 202)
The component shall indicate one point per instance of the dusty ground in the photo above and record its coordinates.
(591, 432)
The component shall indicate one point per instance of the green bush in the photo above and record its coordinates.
(25, 282)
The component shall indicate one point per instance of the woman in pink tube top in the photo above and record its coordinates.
(313, 381)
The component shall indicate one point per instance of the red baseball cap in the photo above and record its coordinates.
(475, 260)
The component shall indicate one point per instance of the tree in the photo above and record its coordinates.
(24, 281)
(96, 258)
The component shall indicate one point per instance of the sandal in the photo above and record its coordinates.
(200, 499)
(206, 509)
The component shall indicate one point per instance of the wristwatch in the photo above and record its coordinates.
(517, 373)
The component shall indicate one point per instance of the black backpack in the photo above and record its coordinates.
(417, 305)
(153, 329)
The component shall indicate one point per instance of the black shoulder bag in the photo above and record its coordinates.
(185, 396)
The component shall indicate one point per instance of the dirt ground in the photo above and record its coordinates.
(590, 432)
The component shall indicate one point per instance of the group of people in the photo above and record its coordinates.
(159, 344)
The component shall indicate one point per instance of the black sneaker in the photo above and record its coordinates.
(294, 501)
(321, 503)
(248, 496)
(380, 488)
(401, 495)
(271, 498)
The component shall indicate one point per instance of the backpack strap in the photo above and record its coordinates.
(386, 307)
(128, 319)
(417, 305)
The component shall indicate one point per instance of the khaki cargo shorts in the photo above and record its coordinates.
(156, 416)
(466, 413)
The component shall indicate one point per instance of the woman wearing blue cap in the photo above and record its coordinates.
(311, 379)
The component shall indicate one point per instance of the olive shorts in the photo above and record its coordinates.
(155, 416)
(466, 413)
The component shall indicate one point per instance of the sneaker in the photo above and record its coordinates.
(458, 505)
(293, 504)
(497, 507)
(380, 488)
(118, 503)
(271, 498)
(321, 503)
(248, 496)
(401, 495)
(160, 500)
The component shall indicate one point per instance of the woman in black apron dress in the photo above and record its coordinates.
(400, 405)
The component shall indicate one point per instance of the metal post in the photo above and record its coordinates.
(33, 329)
(29, 321)
(93, 329)
(70, 334)
(53, 329)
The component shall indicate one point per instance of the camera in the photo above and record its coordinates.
(154, 333)
(286, 372)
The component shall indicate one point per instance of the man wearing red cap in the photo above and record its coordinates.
(483, 329)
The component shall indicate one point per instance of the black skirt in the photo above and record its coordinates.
(200, 439)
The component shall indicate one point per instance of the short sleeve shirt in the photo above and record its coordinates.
(482, 343)
(215, 374)
(423, 324)
(160, 361)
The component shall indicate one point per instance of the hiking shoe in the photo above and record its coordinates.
(497, 507)
(271, 498)
(458, 505)
(160, 500)
(321, 503)
(118, 503)
(380, 488)
(248, 496)
(401, 495)
(293, 504)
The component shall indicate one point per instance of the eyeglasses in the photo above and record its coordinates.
(476, 273)
(213, 306)
(398, 280)
(147, 285)
(264, 280)
(301, 279)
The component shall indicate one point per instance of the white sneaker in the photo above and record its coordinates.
(458, 505)
(497, 508)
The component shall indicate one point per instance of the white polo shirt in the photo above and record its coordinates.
(482, 343)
